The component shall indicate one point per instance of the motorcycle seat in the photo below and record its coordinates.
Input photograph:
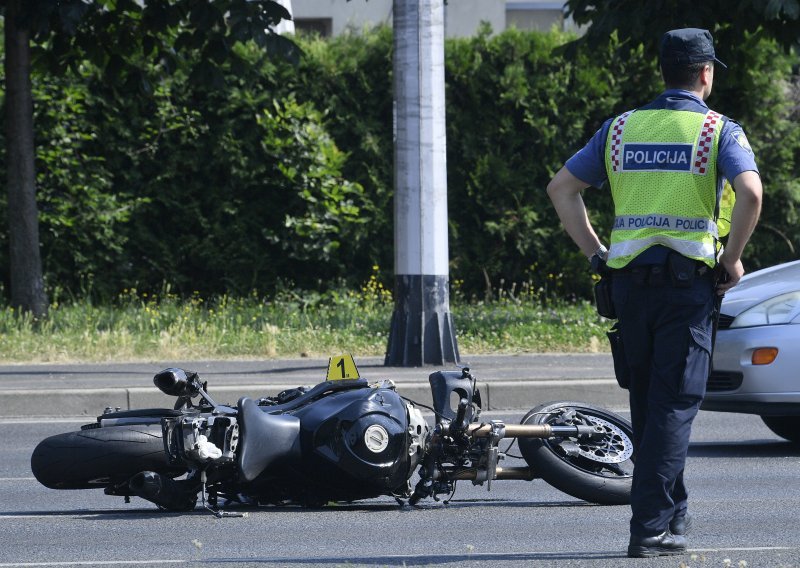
(264, 438)
(143, 412)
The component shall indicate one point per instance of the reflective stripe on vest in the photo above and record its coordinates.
(671, 222)
(692, 249)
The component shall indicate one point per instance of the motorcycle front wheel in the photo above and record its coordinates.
(599, 471)
(99, 457)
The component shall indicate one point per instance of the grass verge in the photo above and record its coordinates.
(138, 327)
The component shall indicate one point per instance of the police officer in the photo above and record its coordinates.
(667, 164)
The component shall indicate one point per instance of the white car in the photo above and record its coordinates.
(757, 352)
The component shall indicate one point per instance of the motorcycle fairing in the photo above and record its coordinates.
(443, 385)
(266, 438)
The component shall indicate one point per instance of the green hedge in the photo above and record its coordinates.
(282, 176)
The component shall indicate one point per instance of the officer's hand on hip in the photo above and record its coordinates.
(735, 271)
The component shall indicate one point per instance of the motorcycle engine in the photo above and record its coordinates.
(419, 431)
(200, 440)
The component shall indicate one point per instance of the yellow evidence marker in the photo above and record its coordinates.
(342, 368)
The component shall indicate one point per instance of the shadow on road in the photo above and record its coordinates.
(139, 514)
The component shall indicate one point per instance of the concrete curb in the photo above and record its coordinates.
(496, 395)
(507, 382)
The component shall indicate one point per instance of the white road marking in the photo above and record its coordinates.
(487, 556)
(49, 420)
(66, 514)
(93, 563)
(743, 549)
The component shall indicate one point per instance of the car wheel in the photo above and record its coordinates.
(784, 426)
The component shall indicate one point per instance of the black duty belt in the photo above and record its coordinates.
(667, 273)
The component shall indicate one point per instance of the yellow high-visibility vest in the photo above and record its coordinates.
(662, 168)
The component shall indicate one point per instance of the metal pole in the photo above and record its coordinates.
(286, 26)
(422, 330)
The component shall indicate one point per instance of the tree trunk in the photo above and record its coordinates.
(25, 261)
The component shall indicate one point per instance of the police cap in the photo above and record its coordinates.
(687, 46)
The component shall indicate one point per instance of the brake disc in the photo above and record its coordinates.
(615, 447)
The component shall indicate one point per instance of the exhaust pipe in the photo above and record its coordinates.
(163, 491)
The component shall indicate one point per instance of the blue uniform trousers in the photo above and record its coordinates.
(666, 334)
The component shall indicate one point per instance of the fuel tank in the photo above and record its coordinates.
(357, 442)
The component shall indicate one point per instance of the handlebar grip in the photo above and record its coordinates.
(458, 423)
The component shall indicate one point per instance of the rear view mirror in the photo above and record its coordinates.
(177, 382)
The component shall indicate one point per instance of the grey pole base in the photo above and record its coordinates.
(422, 330)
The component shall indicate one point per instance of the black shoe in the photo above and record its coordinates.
(664, 544)
(680, 526)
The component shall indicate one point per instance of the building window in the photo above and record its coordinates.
(322, 27)
(540, 16)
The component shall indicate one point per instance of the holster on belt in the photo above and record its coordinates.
(720, 277)
(621, 370)
(602, 289)
(605, 307)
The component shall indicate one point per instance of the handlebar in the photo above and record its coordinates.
(531, 431)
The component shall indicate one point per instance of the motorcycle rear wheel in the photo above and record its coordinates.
(99, 457)
(600, 472)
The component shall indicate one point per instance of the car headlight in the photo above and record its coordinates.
(777, 310)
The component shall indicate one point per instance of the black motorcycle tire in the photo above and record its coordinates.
(99, 457)
(578, 476)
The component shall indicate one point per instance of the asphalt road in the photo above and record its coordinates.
(743, 479)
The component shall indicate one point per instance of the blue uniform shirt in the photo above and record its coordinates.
(734, 154)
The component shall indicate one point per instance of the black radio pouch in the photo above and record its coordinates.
(621, 370)
(681, 270)
(602, 298)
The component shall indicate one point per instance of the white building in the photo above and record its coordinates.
(462, 17)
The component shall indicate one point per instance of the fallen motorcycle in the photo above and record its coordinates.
(343, 440)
